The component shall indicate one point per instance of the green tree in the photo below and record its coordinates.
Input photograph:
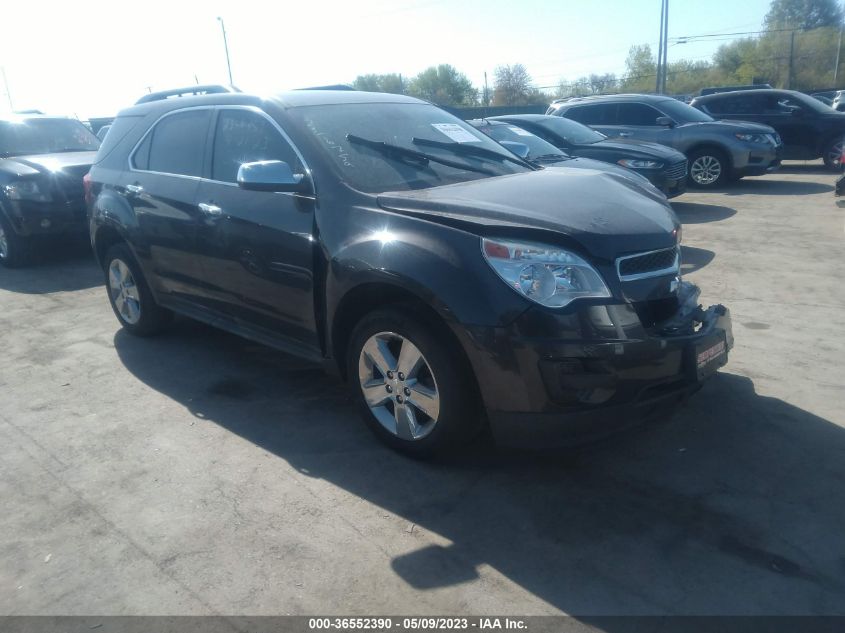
(391, 82)
(640, 70)
(443, 85)
(803, 14)
(511, 85)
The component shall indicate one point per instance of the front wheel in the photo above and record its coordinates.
(833, 154)
(708, 169)
(130, 296)
(413, 388)
(14, 248)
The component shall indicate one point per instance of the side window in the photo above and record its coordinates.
(244, 137)
(176, 144)
(597, 114)
(637, 114)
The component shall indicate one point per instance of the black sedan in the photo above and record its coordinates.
(665, 167)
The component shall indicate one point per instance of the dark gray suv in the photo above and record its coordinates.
(717, 151)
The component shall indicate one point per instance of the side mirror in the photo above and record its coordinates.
(520, 149)
(269, 175)
(665, 121)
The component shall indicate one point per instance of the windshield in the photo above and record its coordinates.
(571, 131)
(536, 145)
(45, 136)
(388, 147)
(801, 100)
(680, 112)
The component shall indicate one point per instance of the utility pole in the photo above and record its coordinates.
(226, 46)
(486, 91)
(660, 46)
(791, 53)
(6, 84)
(665, 46)
(836, 67)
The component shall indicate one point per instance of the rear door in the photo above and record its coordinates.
(257, 247)
(639, 121)
(599, 116)
(161, 185)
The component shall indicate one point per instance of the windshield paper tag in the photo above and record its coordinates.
(520, 131)
(455, 132)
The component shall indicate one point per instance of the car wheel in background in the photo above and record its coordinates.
(708, 168)
(413, 388)
(832, 155)
(14, 249)
(130, 296)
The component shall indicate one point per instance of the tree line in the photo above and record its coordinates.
(798, 48)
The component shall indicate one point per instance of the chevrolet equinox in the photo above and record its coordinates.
(450, 282)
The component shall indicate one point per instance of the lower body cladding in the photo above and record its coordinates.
(605, 371)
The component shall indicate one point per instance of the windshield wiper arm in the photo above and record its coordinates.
(421, 158)
(471, 150)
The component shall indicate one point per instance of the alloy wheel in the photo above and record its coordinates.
(705, 170)
(399, 386)
(124, 292)
(4, 243)
(834, 156)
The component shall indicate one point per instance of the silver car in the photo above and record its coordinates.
(718, 151)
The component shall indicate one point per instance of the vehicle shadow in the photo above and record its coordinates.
(693, 259)
(804, 168)
(698, 213)
(769, 186)
(733, 507)
(60, 267)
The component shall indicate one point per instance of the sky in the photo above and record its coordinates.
(91, 59)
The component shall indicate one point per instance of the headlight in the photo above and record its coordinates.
(634, 163)
(753, 138)
(549, 275)
(26, 190)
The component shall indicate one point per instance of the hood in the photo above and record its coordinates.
(606, 213)
(69, 162)
(629, 148)
(734, 126)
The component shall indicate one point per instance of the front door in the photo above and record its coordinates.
(257, 248)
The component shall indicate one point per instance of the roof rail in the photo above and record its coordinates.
(189, 91)
(332, 87)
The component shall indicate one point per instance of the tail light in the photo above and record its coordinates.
(89, 189)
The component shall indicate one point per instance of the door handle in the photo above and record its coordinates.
(135, 189)
(210, 209)
(625, 134)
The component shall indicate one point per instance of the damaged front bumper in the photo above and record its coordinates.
(554, 379)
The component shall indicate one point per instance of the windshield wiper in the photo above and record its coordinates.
(404, 153)
(471, 150)
(552, 158)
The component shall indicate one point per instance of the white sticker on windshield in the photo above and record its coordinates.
(520, 131)
(455, 132)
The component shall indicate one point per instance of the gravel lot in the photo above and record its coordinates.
(197, 473)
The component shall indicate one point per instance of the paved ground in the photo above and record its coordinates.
(198, 473)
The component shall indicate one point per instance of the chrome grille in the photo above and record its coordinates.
(651, 264)
(677, 170)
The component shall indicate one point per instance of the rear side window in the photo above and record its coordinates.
(597, 114)
(120, 127)
(242, 137)
(175, 145)
(637, 114)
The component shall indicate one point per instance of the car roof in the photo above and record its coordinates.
(484, 121)
(539, 118)
(759, 91)
(289, 99)
(621, 98)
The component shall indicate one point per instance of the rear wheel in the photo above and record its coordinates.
(130, 296)
(14, 248)
(413, 387)
(708, 168)
(833, 154)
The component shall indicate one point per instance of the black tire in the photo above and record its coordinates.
(832, 154)
(711, 160)
(15, 250)
(458, 419)
(151, 318)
